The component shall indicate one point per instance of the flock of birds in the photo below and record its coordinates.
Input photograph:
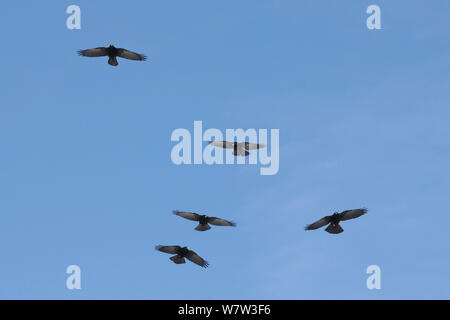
(203, 224)
(239, 149)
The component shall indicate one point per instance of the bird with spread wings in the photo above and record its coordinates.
(112, 52)
(180, 253)
(239, 148)
(203, 220)
(334, 220)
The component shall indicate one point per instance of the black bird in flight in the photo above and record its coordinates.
(335, 219)
(181, 253)
(204, 220)
(112, 52)
(239, 148)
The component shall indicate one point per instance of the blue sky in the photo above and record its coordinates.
(87, 179)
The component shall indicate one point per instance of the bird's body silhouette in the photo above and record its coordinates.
(112, 52)
(203, 220)
(334, 220)
(239, 148)
(180, 253)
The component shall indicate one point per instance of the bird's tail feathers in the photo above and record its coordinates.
(243, 153)
(113, 61)
(334, 229)
(202, 227)
(178, 259)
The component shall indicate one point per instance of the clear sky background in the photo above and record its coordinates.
(86, 176)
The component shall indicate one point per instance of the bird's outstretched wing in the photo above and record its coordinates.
(222, 144)
(127, 54)
(95, 52)
(195, 258)
(187, 215)
(168, 249)
(253, 146)
(318, 224)
(352, 214)
(221, 222)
